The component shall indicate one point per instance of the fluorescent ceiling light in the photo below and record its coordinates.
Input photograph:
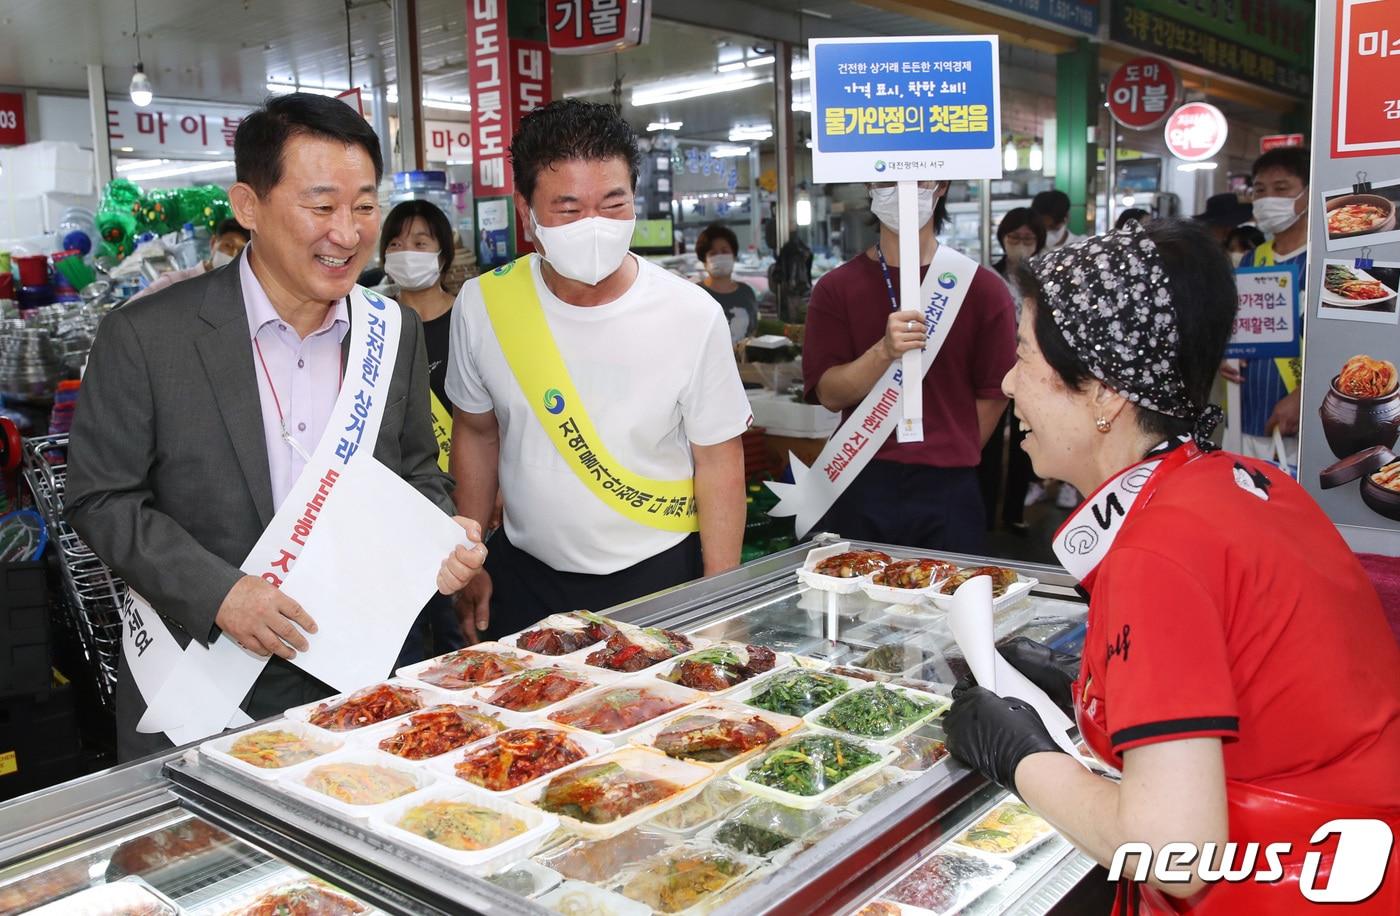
(730, 67)
(445, 104)
(741, 132)
(284, 88)
(678, 90)
(139, 163)
(180, 170)
(728, 152)
(759, 61)
(1197, 166)
(654, 126)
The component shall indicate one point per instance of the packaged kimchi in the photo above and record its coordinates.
(604, 792)
(537, 689)
(438, 730)
(366, 707)
(460, 825)
(721, 667)
(710, 736)
(360, 783)
(561, 634)
(519, 756)
(633, 649)
(469, 667)
(616, 710)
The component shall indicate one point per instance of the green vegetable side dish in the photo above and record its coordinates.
(811, 765)
(875, 712)
(798, 693)
(751, 838)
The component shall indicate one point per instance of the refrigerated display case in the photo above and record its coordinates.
(211, 839)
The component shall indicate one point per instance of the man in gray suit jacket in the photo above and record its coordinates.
(199, 402)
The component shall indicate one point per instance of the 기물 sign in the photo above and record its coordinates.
(591, 26)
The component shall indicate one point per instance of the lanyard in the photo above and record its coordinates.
(889, 283)
(277, 403)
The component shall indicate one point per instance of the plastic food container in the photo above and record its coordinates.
(296, 783)
(594, 676)
(600, 861)
(316, 895)
(574, 898)
(696, 642)
(888, 594)
(812, 579)
(868, 792)
(919, 752)
(670, 693)
(219, 749)
(368, 738)
(687, 778)
(783, 725)
(781, 660)
(765, 829)
(939, 705)
(961, 877)
(1014, 593)
(557, 622)
(538, 826)
(717, 799)
(445, 766)
(648, 881)
(884, 753)
(426, 698)
(411, 674)
(1008, 831)
(746, 693)
(526, 878)
(127, 896)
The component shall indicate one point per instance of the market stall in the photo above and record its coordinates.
(729, 827)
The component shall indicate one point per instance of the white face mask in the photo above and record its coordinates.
(1054, 238)
(720, 265)
(588, 250)
(1019, 251)
(884, 203)
(219, 258)
(413, 270)
(1236, 257)
(1275, 214)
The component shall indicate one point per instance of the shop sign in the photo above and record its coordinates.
(1196, 131)
(1080, 15)
(173, 129)
(1266, 324)
(530, 78)
(906, 109)
(1366, 72)
(447, 141)
(11, 118)
(1267, 42)
(489, 74)
(1274, 141)
(592, 26)
(1142, 92)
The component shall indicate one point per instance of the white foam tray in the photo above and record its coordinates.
(303, 713)
(538, 826)
(294, 784)
(1017, 591)
(824, 583)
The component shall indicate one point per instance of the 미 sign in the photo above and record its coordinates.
(1142, 92)
(1366, 74)
(1266, 324)
(593, 26)
(906, 109)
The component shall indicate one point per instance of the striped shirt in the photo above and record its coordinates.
(1263, 387)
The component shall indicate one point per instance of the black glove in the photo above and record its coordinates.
(994, 734)
(1047, 669)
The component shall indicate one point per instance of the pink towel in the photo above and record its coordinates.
(1385, 576)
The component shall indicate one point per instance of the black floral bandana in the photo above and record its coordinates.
(1111, 299)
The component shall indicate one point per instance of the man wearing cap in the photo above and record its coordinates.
(1224, 212)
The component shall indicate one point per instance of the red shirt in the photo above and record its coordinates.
(1218, 613)
(847, 315)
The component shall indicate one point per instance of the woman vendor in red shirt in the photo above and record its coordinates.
(1237, 668)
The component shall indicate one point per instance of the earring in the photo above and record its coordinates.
(1103, 424)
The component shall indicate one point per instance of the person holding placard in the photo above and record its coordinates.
(1224, 607)
(922, 494)
(598, 391)
(204, 403)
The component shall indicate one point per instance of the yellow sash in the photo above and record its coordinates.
(442, 430)
(1290, 368)
(518, 318)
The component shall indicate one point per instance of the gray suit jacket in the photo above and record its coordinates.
(168, 478)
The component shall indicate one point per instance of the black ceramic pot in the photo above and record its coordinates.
(1352, 424)
(1380, 499)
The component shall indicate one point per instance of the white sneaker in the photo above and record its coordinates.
(1068, 497)
(1035, 493)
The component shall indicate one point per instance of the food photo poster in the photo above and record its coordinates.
(1359, 290)
(1349, 459)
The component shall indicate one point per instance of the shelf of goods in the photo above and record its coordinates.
(898, 826)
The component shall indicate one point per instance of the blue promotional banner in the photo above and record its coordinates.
(1080, 15)
(1266, 325)
(906, 109)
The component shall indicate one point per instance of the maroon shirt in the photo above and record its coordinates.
(847, 315)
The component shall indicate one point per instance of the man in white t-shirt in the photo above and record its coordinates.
(596, 390)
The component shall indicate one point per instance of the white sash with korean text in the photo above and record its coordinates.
(195, 692)
(850, 448)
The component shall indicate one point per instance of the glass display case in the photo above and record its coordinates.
(199, 837)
